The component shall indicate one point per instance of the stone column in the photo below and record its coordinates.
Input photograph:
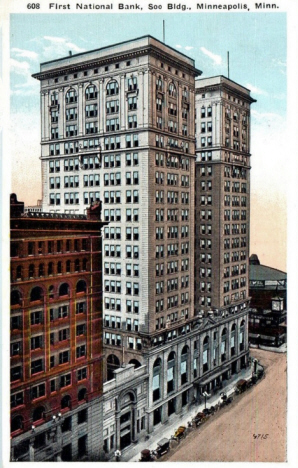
(31, 449)
(81, 110)
(134, 423)
(122, 103)
(101, 110)
(44, 115)
(117, 433)
(61, 120)
(149, 95)
(59, 441)
(179, 103)
(141, 104)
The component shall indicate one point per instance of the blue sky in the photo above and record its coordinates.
(257, 44)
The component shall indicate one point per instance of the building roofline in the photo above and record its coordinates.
(226, 83)
(266, 266)
(118, 44)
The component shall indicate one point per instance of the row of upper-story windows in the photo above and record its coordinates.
(39, 391)
(236, 186)
(240, 256)
(111, 268)
(131, 196)
(235, 172)
(38, 341)
(113, 286)
(112, 303)
(38, 294)
(172, 179)
(234, 229)
(205, 287)
(172, 161)
(206, 112)
(116, 340)
(48, 269)
(172, 232)
(172, 302)
(171, 89)
(172, 215)
(91, 162)
(38, 365)
(132, 215)
(236, 242)
(234, 215)
(235, 270)
(236, 201)
(131, 251)
(161, 142)
(173, 250)
(37, 317)
(233, 298)
(172, 112)
(172, 197)
(112, 321)
(87, 162)
(205, 243)
(45, 247)
(91, 92)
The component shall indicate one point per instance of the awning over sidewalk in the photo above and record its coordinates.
(213, 375)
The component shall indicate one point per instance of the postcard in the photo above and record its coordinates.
(148, 212)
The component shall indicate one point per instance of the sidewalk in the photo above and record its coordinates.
(133, 453)
(274, 349)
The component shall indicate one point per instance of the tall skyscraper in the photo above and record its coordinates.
(222, 196)
(118, 124)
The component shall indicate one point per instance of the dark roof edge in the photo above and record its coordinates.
(117, 44)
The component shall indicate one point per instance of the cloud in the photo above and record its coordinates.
(22, 82)
(23, 53)
(268, 144)
(59, 46)
(178, 46)
(217, 59)
(256, 90)
(21, 68)
(279, 63)
(267, 117)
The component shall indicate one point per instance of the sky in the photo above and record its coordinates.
(257, 45)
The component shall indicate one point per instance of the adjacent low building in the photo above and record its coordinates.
(268, 313)
(56, 338)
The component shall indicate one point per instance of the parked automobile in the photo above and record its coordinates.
(225, 399)
(241, 386)
(199, 418)
(180, 433)
(146, 456)
(163, 446)
(209, 411)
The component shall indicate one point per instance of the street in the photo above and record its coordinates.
(251, 429)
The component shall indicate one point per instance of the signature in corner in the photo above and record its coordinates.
(260, 436)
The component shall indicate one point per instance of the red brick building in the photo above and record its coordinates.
(56, 334)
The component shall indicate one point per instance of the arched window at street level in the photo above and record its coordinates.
(156, 382)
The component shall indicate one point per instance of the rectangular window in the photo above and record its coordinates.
(81, 351)
(82, 374)
(65, 380)
(36, 366)
(38, 391)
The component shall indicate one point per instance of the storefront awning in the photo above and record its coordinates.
(211, 376)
